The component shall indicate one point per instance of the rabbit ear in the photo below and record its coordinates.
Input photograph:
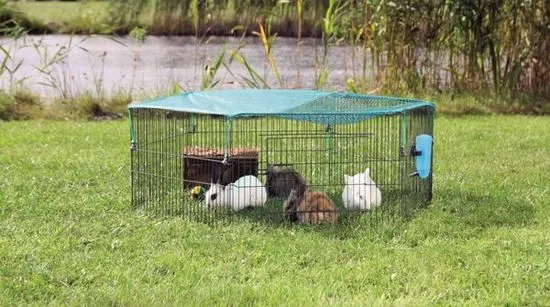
(346, 178)
(216, 172)
(367, 171)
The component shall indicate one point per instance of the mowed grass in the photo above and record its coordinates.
(69, 235)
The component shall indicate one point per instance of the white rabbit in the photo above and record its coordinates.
(360, 192)
(247, 191)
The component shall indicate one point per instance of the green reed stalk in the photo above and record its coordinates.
(267, 42)
(299, 12)
(195, 15)
(209, 80)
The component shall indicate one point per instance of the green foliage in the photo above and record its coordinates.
(138, 34)
(7, 104)
(69, 235)
(321, 77)
(334, 11)
(209, 75)
(410, 46)
(20, 105)
(268, 40)
(254, 79)
(88, 106)
(125, 14)
(12, 21)
(51, 16)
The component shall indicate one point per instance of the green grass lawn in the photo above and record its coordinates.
(68, 234)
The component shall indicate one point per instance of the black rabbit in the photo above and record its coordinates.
(281, 179)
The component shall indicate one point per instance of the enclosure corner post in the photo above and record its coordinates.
(132, 153)
(432, 120)
(131, 124)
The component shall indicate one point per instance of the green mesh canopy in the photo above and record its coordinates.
(297, 104)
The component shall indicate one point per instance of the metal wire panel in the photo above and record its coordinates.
(175, 153)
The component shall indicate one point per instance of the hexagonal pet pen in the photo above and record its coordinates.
(281, 155)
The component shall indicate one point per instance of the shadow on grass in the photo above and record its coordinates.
(349, 224)
(382, 222)
(483, 210)
(462, 214)
(453, 213)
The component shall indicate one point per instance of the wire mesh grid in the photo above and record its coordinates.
(179, 158)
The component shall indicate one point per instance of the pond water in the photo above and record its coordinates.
(54, 65)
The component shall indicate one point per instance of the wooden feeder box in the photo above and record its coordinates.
(202, 164)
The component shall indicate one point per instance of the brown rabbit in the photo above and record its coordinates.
(309, 207)
(294, 199)
(315, 208)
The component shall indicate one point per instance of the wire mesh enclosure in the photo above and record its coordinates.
(281, 155)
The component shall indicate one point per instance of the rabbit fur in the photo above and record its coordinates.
(294, 199)
(309, 207)
(360, 192)
(247, 191)
(281, 179)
